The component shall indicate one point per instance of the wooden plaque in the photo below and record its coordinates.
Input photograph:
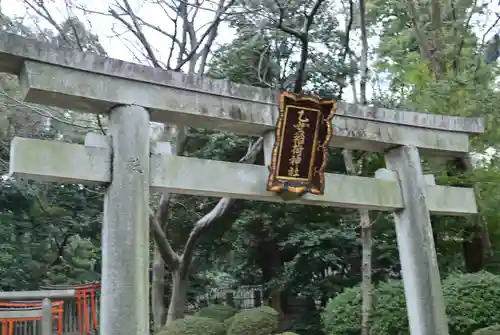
(300, 153)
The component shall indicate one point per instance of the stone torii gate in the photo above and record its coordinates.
(133, 95)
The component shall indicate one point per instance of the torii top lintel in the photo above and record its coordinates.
(91, 83)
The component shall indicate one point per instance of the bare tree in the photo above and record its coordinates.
(189, 47)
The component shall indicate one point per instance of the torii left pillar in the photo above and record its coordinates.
(125, 231)
(120, 160)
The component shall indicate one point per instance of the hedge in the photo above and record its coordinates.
(493, 330)
(228, 322)
(217, 312)
(255, 321)
(472, 302)
(342, 315)
(194, 325)
(470, 298)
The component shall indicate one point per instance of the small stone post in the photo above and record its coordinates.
(422, 284)
(125, 233)
(268, 145)
(46, 317)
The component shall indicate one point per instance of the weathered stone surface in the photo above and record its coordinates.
(37, 295)
(242, 181)
(125, 230)
(53, 161)
(97, 93)
(246, 181)
(46, 317)
(419, 267)
(414, 119)
(14, 49)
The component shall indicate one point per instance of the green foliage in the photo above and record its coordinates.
(50, 233)
(471, 301)
(342, 314)
(217, 312)
(308, 322)
(287, 333)
(194, 325)
(255, 321)
(49, 236)
(492, 330)
(390, 309)
(228, 322)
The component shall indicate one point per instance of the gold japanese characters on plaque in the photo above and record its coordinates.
(300, 153)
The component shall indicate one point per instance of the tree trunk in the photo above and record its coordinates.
(366, 270)
(473, 249)
(275, 254)
(158, 290)
(178, 296)
(366, 254)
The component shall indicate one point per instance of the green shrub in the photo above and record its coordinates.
(287, 333)
(194, 325)
(217, 312)
(493, 330)
(255, 321)
(471, 301)
(342, 314)
(390, 313)
(228, 322)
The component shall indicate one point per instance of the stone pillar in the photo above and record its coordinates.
(268, 145)
(46, 317)
(125, 232)
(422, 284)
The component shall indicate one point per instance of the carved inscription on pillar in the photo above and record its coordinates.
(300, 152)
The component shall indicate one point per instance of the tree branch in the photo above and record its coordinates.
(303, 37)
(465, 28)
(428, 51)
(213, 25)
(483, 42)
(60, 250)
(168, 254)
(136, 30)
(44, 113)
(283, 27)
(364, 53)
(310, 16)
(218, 211)
(211, 38)
(158, 222)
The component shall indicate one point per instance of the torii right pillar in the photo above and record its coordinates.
(420, 271)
